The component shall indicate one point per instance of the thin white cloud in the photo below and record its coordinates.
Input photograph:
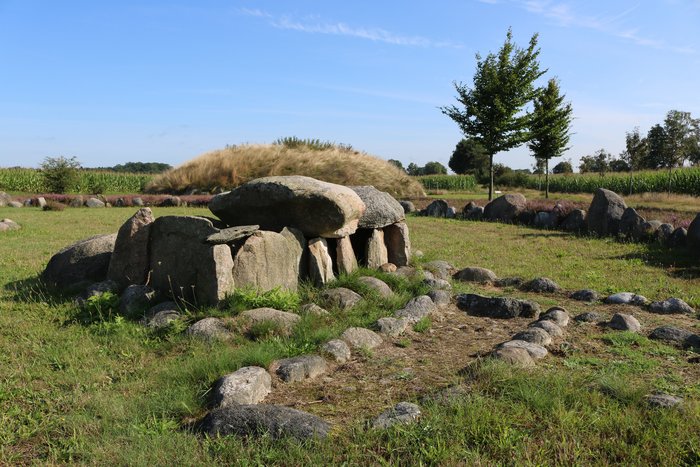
(316, 26)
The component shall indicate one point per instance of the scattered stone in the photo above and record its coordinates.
(94, 203)
(605, 213)
(398, 243)
(534, 335)
(541, 285)
(437, 284)
(345, 257)
(673, 335)
(505, 208)
(99, 288)
(693, 234)
(294, 369)
(340, 297)
(313, 309)
(663, 401)
(161, 319)
(588, 317)
(536, 351)
(137, 202)
(552, 328)
(209, 329)
(630, 223)
(476, 274)
(437, 208)
(40, 202)
(671, 306)
(408, 206)
(388, 267)
(86, 260)
(170, 201)
(663, 233)
(545, 220)
(514, 355)
(402, 413)
(8, 224)
(318, 209)
(585, 295)
(136, 299)
(382, 208)
(646, 231)
(451, 212)
(377, 253)
(509, 282)
(472, 211)
(575, 221)
(361, 338)
(393, 327)
(284, 320)
(626, 298)
(416, 309)
(497, 307)
(678, 238)
(377, 285)
(247, 385)
(277, 421)
(440, 269)
(558, 315)
(440, 297)
(623, 322)
(337, 349)
(4, 199)
(15, 204)
(231, 234)
(129, 261)
(320, 262)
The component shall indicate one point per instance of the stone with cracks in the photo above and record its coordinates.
(671, 306)
(673, 335)
(392, 327)
(514, 355)
(536, 351)
(505, 208)
(320, 262)
(398, 244)
(534, 335)
(129, 262)
(382, 208)
(340, 297)
(377, 253)
(231, 234)
(268, 260)
(440, 297)
(161, 319)
(9, 224)
(300, 368)
(497, 307)
(284, 320)
(623, 322)
(276, 421)
(402, 413)
(377, 285)
(552, 328)
(247, 385)
(83, 261)
(361, 338)
(318, 209)
(476, 274)
(605, 212)
(557, 314)
(337, 349)
(345, 257)
(663, 233)
(416, 309)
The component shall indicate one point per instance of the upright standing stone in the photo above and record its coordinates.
(398, 243)
(184, 265)
(129, 263)
(320, 262)
(693, 233)
(376, 250)
(605, 213)
(345, 256)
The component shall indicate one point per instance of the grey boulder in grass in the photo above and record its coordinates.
(84, 261)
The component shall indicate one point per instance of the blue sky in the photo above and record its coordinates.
(112, 82)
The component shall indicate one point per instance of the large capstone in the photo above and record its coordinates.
(318, 209)
(81, 262)
(129, 262)
(605, 213)
(184, 265)
(382, 208)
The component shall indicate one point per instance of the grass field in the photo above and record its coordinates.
(96, 388)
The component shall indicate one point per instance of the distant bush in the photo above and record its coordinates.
(53, 206)
(141, 167)
(60, 173)
(293, 142)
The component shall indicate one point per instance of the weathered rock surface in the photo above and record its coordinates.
(76, 202)
(575, 221)
(408, 206)
(186, 267)
(313, 309)
(588, 317)
(663, 401)
(398, 243)
(300, 368)
(675, 336)
(505, 208)
(247, 385)
(497, 307)
(277, 421)
(382, 208)
(626, 298)
(345, 257)
(4, 199)
(94, 203)
(268, 260)
(671, 306)
(557, 314)
(377, 253)
(416, 309)
(402, 413)
(630, 223)
(624, 322)
(440, 297)
(514, 355)
(605, 212)
(536, 351)
(472, 211)
(585, 295)
(440, 269)
(437, 208)
(361, 338)
(377, 285)
(541, 285)
(393, 327)
(83, 261)
(136, 300)
(679, 237)
(534, 335)
(320, 262)
(337, 349)
(318, 209)
(341, 297)
(552, 328)
(232, 234)
(129, 262)
(209, 329)
(284, 320)
(161, 319)
(693, 233)
(9, 224)
(476, 274)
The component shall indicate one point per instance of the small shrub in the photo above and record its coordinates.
(60, 173)
(423, 325)
(404, 343)
(248, 298)
(101, 307)
(53, 206)
(264, 329)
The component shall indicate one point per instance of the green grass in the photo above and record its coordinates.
(92, 387)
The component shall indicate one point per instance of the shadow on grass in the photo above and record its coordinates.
(34, 290)
(684, 264)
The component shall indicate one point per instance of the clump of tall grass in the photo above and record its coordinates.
(234, 165)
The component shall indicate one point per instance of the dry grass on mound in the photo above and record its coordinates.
(230, 167)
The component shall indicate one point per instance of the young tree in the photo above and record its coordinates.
(397, 163)
(599, 162)
(682, 138)
(469, 157)
(491, 111)
(60, 173)
(657, 155)
(414, 170)
(550, 127)
(563, 167)
(635, 150)
(434, 168)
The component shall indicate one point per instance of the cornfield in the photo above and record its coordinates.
(448, 182)
(89, 182)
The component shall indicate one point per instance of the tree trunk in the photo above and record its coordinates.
(490, 177)
(546, 178)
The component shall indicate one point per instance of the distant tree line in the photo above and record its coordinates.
(431, 168)
(138, 167)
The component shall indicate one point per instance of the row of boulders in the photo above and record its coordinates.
(271, 232)
(608, 215)
(96, 201)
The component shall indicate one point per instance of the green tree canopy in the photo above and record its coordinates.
(563, 167)
(397, 163)
(469, 157)
(599, 162)
(635, 150)
(434, 168)
(491, 111)
(60, 173)
(550, 127)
